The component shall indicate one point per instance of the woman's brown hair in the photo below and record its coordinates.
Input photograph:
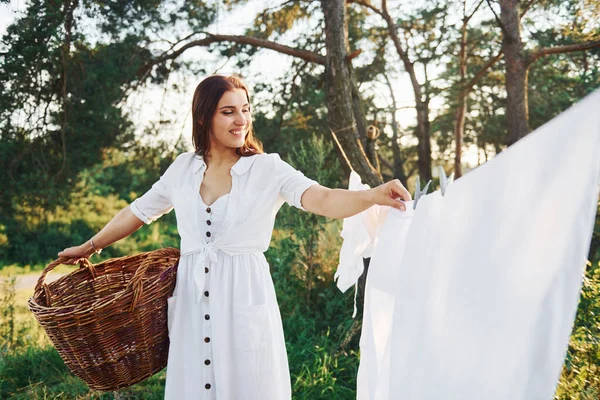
(206, 98)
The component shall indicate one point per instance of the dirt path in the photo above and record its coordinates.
(28, 281)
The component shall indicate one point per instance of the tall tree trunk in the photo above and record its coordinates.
(465, 89)
(398, 160)
(358, 110)
(516, 71)
(459, 128)
(422, 106)
(371, 151)
(339, 93)
(69, 9)
(461, 108)
(361, 126)
(424, 131)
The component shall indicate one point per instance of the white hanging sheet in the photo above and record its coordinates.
(380, 293)
(487, 288)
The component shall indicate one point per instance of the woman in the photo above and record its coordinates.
(224, 323)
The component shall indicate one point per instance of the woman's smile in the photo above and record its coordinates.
(238, 132)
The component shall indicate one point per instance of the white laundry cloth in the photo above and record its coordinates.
(356, 245)
(360, 236)
(224, 323)
(491, 273)
(380, 292)
(489, 281)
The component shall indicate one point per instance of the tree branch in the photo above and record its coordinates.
(385, 162)
(367, 4)
(69, 10)
(470, 15)
(252, 41)
(482, 71)
(289, 100)
(527, 7)
(497, 57)
(500, 24)
(560, 50)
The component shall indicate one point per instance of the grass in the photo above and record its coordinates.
(30, 367)
(323, 364)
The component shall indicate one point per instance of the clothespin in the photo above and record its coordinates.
(445, 181)
(419, 193)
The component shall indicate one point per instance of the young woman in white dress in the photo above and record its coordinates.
(226, 336)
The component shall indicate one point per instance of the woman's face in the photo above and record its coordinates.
(232, 119)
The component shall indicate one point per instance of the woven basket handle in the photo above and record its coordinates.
(83, 263)
(136, 282)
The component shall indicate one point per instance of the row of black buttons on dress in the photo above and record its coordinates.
(207, 317)
(208, 222)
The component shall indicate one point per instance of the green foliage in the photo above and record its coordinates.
(281, 19)
(55, 100)
(580, 379)
(303, 257)
(300, 112)
(308, 247)
(35, 233)
(64, 85)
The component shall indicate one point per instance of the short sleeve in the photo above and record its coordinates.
(156, 201)
(292, 183)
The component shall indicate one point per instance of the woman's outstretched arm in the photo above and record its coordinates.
(341, 203)
(123, 224)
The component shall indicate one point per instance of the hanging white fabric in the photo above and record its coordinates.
(488, 285)
(380, 292)
(360, 236)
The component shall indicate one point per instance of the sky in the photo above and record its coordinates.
(149, 106)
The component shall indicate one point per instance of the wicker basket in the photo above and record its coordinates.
(109, 321)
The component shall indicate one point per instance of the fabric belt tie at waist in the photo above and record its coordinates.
(207, 255)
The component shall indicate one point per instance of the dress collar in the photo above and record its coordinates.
(240, 167)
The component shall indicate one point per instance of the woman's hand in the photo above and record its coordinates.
(389, 194)
(76, 253)
(123, 224)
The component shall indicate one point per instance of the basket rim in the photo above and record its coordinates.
(98, 302)
(111, 298)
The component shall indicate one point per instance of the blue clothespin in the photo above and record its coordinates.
(445, 181)
(419, 193)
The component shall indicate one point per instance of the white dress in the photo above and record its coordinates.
(225, 328)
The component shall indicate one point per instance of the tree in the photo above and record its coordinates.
(461, 108)
(338, 71)
(517, 64)
(427, 22)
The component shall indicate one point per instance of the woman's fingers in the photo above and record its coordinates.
(74, 254)
(393, 194)
(399, 205)
(400, 190)
(392, 199)
(70, 252)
